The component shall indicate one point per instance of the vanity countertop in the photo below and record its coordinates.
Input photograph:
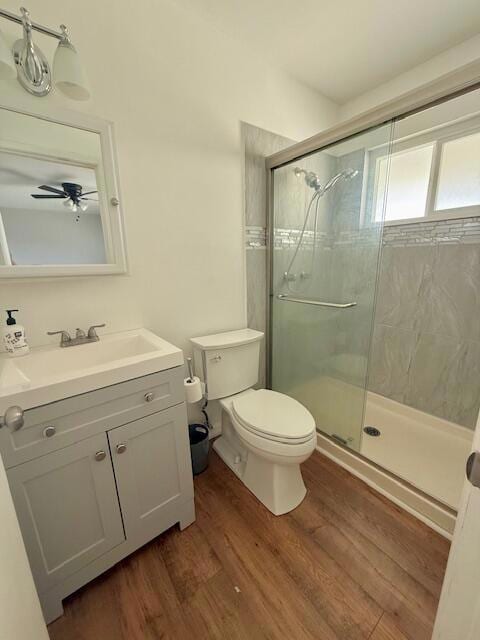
(52, 373)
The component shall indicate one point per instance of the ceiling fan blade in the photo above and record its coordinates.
(91, 199)
(41, 196)
(45, 187)
(87, 193)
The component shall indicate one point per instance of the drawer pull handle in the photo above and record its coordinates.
(148, 396)
(100, 455)
(48, 432)
(121, 447)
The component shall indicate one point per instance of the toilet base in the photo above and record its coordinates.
(279, 487)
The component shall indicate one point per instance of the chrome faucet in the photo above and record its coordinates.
(81, 337)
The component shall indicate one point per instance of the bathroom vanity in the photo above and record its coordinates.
(96, 470)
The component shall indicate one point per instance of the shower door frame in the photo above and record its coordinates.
(442, 89)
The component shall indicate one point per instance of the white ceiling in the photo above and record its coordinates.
(20, 176)
(344, 48)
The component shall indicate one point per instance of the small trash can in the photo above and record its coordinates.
(199, 446)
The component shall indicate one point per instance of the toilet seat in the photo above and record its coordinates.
(274, 416)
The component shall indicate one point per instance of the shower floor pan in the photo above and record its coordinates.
(426, 451)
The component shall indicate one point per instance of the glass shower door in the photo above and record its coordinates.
(325, 251)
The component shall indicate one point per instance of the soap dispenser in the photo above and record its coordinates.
(14, 336)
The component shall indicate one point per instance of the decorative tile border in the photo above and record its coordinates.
(255, 238)
(460, 231)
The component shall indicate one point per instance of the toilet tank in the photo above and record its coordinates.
(227, 362)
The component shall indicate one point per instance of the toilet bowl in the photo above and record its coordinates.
(266, 435)
(271, 434)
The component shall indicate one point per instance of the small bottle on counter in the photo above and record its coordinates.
(14, 336)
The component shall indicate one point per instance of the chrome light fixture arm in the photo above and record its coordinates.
(33, 69)
(8, 15)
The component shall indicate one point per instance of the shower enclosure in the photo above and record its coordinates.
(375, 289)
(326, 242)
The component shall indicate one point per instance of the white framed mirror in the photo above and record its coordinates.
(60, 210)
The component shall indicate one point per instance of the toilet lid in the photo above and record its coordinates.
(274, 415)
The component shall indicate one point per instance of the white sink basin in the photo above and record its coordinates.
(51, 373)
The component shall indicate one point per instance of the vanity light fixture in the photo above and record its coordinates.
(33, 70)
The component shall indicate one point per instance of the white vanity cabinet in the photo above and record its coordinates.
(96, 476)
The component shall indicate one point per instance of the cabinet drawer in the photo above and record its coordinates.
(59, 424)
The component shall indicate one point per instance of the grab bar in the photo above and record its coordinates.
(317, 303)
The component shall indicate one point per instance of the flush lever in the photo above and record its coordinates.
(473, 468)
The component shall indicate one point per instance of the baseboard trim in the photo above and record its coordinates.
(439, 518)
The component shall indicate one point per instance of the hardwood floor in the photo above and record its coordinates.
(347, 564)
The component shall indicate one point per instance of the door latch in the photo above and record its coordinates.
(473, 468)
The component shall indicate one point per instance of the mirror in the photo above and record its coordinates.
(59, 212)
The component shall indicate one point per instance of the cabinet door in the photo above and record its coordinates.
(151, 459)
(68, 510)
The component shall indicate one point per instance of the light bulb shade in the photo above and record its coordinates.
(74, 208)
(68, 74)
(68, 203)
(83, 206)
(7, 65)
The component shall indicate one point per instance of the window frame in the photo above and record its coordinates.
(439, 136)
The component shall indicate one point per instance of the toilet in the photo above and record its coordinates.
(266, 435)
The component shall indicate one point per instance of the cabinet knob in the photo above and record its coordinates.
(148, 397)
(48, 432)
(13, 418)
(121, 447)
(100, 455)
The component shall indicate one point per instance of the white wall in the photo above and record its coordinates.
(448, 61)
(176, 91)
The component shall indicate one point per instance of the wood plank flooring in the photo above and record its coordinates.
(347, 564)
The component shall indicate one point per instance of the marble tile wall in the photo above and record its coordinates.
(426, 343)
(258, 144)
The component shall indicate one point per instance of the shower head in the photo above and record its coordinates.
(312, 180)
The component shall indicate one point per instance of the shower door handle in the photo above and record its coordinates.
(473, 469)
(316, 303)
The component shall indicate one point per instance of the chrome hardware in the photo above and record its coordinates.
(33, 71)
(121, 447)
(148, 397)
(473, 468)
(216, 359)
(114, 202)
(100, 455)
(65, 339)
(92, 334)
(316, 303)
(13, 418)
(49, 431)
(289, 277)
(80, 336)
(190, 369)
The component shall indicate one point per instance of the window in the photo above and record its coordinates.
(434, 175)
(459, 174)
(402, 183)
